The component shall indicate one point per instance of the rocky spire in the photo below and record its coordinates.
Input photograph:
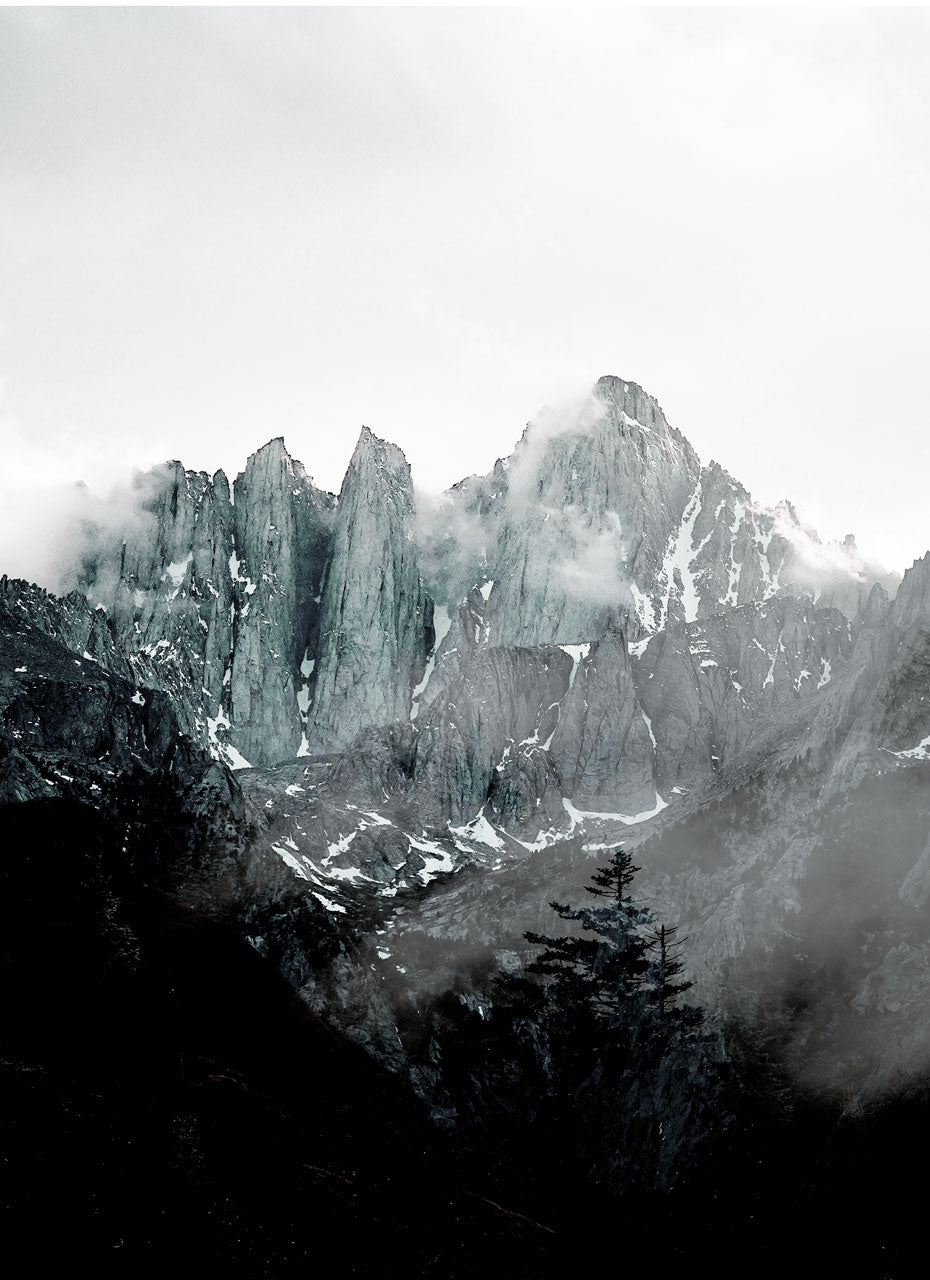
(376, 626)
(577, 521)
(283, 536)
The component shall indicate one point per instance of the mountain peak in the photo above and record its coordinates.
(372, 451)
(273, 459)
(273, 448)
(631, 399)
(610, 387)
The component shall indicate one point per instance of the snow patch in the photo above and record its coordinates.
(340, 846)
(577, 653)
(247, 583)
(433, 853)
(679, 558)
(479, 829)
(328, 903)
(287, 857)
(224, 751)
(920, 752)
(645, 610)
(352, 874)
(177, 570)
(578, 816)
(441, 624)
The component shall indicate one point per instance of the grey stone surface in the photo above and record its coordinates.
(283, 542)
(376, 625)
(506, 682)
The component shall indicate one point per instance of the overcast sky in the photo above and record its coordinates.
(217, 226)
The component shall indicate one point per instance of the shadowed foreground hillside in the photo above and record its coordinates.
(169, 1102)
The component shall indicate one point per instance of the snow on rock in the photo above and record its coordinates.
(438, 859)
(479, 829)
(339, 846)
(178, 570)
(288, 858)
(577, 653)
(442, 621)
(220, 748)
(248, 586)
(579, 816)
(920, 752)
(328, 903)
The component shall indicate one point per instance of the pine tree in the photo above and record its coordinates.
(607, 970)
(671, 1018)
(616, 976)
(664, 968)
(586, 1052)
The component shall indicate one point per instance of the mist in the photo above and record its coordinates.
(54, 534)
(295, 221)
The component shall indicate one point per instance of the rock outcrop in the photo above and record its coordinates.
(283, 621)
(278, 560)
(599, 640)
(377, 619)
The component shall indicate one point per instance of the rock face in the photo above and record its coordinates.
(283, 621)
(278, 559)
(377, 620)
(716, 689)
(522, 729)
(601, 639)
(59, 709)
(604, 513)
(580, 517)
(166, 588)
(219, 604)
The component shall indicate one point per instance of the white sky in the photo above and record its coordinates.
(217, 226)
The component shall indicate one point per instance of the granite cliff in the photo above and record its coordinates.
(437, 712)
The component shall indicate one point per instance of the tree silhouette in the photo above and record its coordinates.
(585, 1069)
(628, 956)
(611, 988)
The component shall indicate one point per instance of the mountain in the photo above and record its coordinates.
(277, 613)
(411, 719)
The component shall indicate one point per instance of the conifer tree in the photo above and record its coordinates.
(664, 968)
(619, 965)
(587, 1050)
(605, 970)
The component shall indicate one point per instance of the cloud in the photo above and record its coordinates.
(452, 538)
(822, 567)
(53, 528)
(595, 569)
(574, 415)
